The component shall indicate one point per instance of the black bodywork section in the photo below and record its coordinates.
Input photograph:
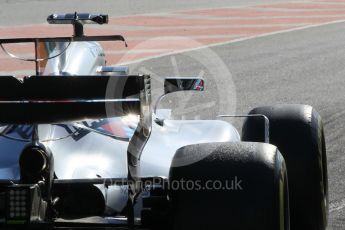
(54, 99)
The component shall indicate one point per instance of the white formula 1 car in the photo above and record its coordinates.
(81, 147)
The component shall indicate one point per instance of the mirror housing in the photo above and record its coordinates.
(175, 84)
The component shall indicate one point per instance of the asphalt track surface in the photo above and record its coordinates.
(299, 66)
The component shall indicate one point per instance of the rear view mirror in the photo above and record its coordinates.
(175, 84)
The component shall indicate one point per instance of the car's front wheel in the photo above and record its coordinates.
(297, 131)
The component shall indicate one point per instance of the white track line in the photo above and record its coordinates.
(233, 41)
(337, 206)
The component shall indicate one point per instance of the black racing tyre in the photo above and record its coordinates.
(235, 186)
(297, 131)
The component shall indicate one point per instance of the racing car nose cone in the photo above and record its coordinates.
(33, 160)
